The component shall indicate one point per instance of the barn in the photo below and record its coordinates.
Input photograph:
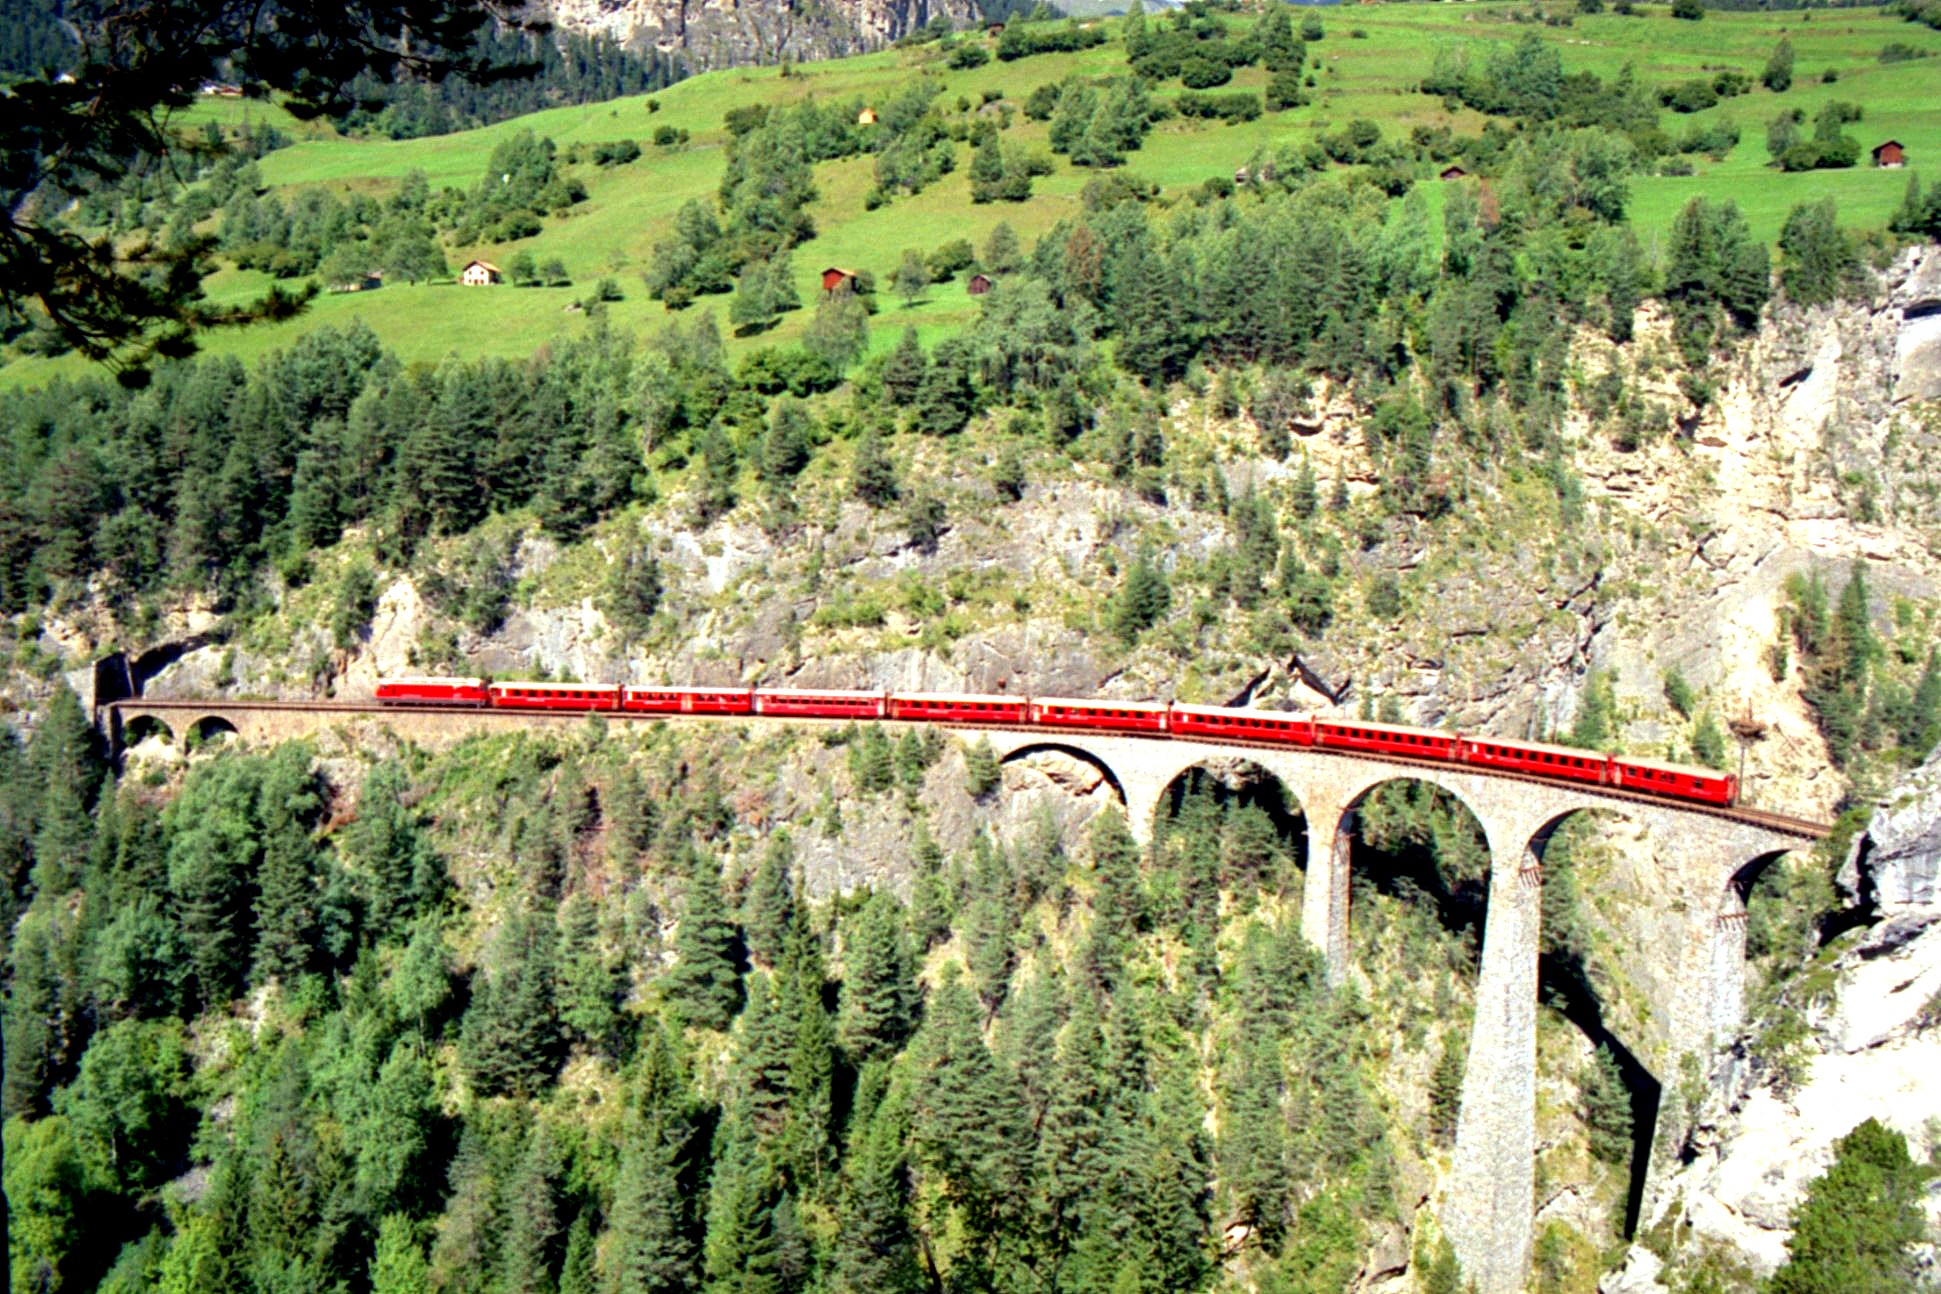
(979, 284)
(479, 274)
(1890, 156)
(835, 279)
(1453, 173)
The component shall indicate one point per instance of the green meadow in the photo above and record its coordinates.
(1367, 66)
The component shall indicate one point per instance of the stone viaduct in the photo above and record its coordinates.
(1489, 1206)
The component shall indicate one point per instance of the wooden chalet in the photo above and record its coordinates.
(836, 279)
(979, 284)
(1890, 156)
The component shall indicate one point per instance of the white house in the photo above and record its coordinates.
(478, 274)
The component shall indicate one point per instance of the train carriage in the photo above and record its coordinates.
(688, 700)
(1707, 785)
(1106, 716)
(1388, 739)
(1566, 763)
(431, 691)
(955, 707)
(1241, 725)
(829, 704)
(555, 696)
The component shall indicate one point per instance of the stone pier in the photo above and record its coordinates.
(1487, 1211)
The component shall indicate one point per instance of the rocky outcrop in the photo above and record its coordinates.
(1902, 863)
(1874, 1050)
(708, 34)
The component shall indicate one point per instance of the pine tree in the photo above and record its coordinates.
(422, 983)
(704, 983)
(741, 1252)
(1071, 1164)
(286, 904)
(769, 907)
(1032, 1018)
(966, 1119)
(1593, 728)
(650, 1249)
(67, 769)
(875, 1252)
(931, 902)
(990, 924)
(1115, 897)
(1133, 29)
(576, 1269)
(1853, 632)
(1857, 1229)
(1778, 73)
(532, 1228)
(1167, 1193)
(872, 476)
(1253, 1144)
(393, 1131)
(398, 1263)
(1708, 741)
(1679, 693)
(1001, 249)
(1143, 599)
(1921, 729)
(214, 843)
(1607, 1108)
(1445, 1090)
(904, 368)
(386, 843)
(879, 989)
(590, 984)
(785, 446)
(510, 1039)
(981, 774)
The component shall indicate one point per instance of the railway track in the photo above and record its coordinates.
(1802, 828)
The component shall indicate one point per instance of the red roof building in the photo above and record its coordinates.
(836, 280)
(1890, 156)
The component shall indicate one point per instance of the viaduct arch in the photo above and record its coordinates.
(1488, 1212)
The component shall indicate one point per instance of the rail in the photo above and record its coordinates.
(1804, 828)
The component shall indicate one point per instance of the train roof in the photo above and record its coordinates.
(1229, 711)
(1578, 752)
(845, 693)
(1018, 699)
(1099, 702)
(689, 688)
(570, 687)
(439, 680)
(1399, 729)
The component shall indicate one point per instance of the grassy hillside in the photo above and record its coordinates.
(1369, 65)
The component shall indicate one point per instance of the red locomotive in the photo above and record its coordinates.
(1143, 718)
(431, 691)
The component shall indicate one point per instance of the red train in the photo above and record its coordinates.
(1147, 718)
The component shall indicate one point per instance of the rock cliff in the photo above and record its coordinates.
(710, 34)
(1873, 1050)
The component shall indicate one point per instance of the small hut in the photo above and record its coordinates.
(867, 117)
(1890, 156)
(979, 284)
(1453, 173)
(835, 279)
